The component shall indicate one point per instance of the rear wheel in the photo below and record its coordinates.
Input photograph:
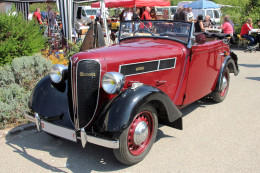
(220, 96)
(136, 141)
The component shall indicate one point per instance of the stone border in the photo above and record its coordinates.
(17, 130)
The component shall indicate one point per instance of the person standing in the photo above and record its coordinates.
(51, 17)
(245, 32)
(37, 16)
(176, 15)
(136, 16)
(146, 14)
(183, 14)
(128, 15)
(190, 16)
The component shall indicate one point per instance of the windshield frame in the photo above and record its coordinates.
(161, 37)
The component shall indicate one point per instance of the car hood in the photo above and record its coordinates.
(134, 50)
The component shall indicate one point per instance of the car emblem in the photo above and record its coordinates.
(140, 68)
(82, 74)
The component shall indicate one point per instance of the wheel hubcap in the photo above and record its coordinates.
(141, 133)
(224, 85)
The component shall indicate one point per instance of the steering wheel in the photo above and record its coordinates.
(143, 30)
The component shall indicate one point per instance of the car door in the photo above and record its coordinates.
(203, 70)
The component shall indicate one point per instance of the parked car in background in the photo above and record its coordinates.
(115, 96)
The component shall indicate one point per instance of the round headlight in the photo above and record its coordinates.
(57, 73)
(113, 82)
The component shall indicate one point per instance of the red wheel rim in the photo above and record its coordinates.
(146, 117)
(223, 93)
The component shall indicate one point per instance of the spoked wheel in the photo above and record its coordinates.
(136, 141)
(221, 95)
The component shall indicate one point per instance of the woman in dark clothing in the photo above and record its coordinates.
(199, 24)
(136, 15)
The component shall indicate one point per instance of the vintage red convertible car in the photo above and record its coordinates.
(115, 96)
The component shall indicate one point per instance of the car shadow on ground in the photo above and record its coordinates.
(253, 78)
(203, 102)
(79, 159)
(250, 65)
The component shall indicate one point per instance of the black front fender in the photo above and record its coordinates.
(50, 101)
(119, 113)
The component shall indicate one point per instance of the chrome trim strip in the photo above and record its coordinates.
(38, 122)
(77, 128)
(114, 144)
(150, 71)
(84, 137)
(60, 131)
(74, 100)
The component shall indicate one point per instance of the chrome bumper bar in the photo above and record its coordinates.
(84, 137)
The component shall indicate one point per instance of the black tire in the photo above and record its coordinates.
(123, 153)
(221, 95)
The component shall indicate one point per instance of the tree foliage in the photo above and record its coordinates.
(241, 10)
(19, 37)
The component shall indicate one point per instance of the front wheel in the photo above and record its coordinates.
(136, 141)
(221, 95)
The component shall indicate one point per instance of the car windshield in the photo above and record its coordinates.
(179, 31)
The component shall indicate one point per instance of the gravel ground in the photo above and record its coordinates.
(221, 137)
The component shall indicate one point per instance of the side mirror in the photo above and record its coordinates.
(200, 39)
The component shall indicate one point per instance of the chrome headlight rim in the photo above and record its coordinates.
(58, 73)
(113, 82)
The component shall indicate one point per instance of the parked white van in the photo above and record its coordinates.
(214, 13)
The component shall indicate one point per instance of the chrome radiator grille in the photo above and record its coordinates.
(85, 91)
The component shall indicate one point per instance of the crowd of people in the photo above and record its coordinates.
(138, 14)
(182, 14)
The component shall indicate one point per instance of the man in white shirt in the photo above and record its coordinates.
(190, 16)
(128, 15)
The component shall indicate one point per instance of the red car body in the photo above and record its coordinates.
(114, 96)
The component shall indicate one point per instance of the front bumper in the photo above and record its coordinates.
(70, 134)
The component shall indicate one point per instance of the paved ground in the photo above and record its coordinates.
(216, 138)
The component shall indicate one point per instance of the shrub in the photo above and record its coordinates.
(19, 37)
(17, 80)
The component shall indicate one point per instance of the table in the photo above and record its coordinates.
(254, 31)
(213, 30)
